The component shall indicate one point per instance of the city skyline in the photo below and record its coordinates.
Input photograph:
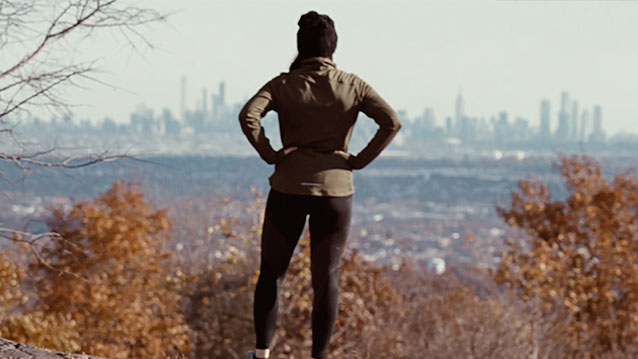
(564, 124)
(559, 125)
(504, 55)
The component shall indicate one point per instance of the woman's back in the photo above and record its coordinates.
(317, 105)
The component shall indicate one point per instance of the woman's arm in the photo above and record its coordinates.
(389, 124)
(249, 119)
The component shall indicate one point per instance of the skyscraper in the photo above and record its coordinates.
(183, 101)
(584, 123)
(545, 120)
(205, 104)
(598, 134)
(449, 127)
(501, 127)
(429, 118)
(573, 128)
(213, 106)
(219, 103)
(222, 94)
(562, 132)
(426, 122)
(459, 113)
(598, 119)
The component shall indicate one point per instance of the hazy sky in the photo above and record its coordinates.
(503, 55)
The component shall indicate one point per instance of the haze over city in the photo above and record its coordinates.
(487, 210)
(501, 55)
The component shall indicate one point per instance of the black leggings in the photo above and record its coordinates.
(284, 221)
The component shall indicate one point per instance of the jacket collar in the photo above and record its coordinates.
(317, 63)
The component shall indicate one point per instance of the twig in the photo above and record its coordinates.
(30, 239)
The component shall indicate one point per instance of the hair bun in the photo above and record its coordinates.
(312, 19)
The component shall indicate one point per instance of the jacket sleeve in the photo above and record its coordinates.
(249, 119)
(389, 124)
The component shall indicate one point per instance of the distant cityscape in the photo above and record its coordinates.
(439, 180)
(569, 125)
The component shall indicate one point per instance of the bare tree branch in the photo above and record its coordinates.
(36, 39)
(12, 14)
(32, 241)
(69, 162)
(104, 14)
(35, 83)
(23, 82)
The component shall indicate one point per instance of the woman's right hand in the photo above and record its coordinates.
(343, 154)
(346, 156)
(289, 150)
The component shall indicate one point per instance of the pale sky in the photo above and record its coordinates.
(502, 55)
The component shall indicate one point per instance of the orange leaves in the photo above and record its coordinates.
(11, 277)
(575, 263)
(589, 264)
(115, 243)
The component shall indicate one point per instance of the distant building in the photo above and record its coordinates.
(143, 122)
(584, 123)
(219, 103)
(459, 113)
(171, 125)
(204, 109)
(423, 126)
(222, 93)
(501, 128)
(520, 129)
(545, 120)
(449, 127)
(598, 134)
(573, 128)
(562, 132)
(109, 126)
(429, 120)
(183, 108)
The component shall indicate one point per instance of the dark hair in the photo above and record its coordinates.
(316, 37)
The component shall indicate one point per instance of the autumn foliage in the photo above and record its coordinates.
(128, 282)
(119, 301)
(579, 255)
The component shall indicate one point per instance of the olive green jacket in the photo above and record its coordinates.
(317, 106)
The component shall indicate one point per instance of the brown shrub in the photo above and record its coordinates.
(121, 303)
(579, 256)
(382, 312)
(137, 298)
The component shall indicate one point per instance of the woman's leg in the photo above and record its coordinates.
(284, 221)
(329, 228)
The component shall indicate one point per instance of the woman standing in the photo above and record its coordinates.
(317, 105)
